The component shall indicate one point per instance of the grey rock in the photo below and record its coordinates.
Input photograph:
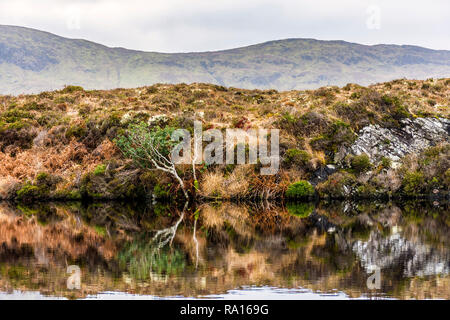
(414, 136)
(322, 174)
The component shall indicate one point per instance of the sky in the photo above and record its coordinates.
(208, 25)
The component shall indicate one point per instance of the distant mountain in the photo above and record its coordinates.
(33, 61)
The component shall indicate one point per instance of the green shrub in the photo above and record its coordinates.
(297, 157)
(394, 108)
(386, 162)
(338, 185)
(337, 135)
(413, 183)
(152, 89)
(361, 163)
(71, 89)
(300, 189)
(447, 178)
(34, 106)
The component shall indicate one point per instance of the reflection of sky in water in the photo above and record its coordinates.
(251, 293)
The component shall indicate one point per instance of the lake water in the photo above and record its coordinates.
(225, 251)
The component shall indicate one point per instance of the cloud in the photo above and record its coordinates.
(199, 25)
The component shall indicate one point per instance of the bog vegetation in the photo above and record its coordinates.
(79, 144)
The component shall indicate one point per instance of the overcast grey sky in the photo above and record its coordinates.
(202, 25)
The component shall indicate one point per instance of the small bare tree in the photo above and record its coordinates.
(150, 149)
(197, 141)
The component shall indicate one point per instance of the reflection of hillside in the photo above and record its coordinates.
(332, 248)
(67, 237)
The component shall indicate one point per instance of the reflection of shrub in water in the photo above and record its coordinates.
(44, 213)
(141, 258)
(301, 210)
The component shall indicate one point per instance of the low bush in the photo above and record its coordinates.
(297, 157)
(413, 183)
(361, 163)
(72, 89)
(300, 189)
(338, 185)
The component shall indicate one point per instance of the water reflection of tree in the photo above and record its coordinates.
(145, 257)
(231, 247)
(143, 260)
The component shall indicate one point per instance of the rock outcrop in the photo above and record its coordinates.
(414, 136)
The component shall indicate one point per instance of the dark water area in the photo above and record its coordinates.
(226, 250)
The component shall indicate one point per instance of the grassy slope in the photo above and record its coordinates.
(68, 135)
(32, 61)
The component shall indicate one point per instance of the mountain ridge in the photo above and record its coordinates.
(32, 61)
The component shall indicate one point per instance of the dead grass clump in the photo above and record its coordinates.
(7, 186)
(212, 184)
(234, 185)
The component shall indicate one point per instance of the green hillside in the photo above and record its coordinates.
(33, 61)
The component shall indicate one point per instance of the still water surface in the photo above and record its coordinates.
(226, 251)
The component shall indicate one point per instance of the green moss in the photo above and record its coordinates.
(100, 170)
(300, 189)
(431, 154)
(30, 192)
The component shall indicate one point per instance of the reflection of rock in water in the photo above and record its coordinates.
(321, 222)
(417, 259)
